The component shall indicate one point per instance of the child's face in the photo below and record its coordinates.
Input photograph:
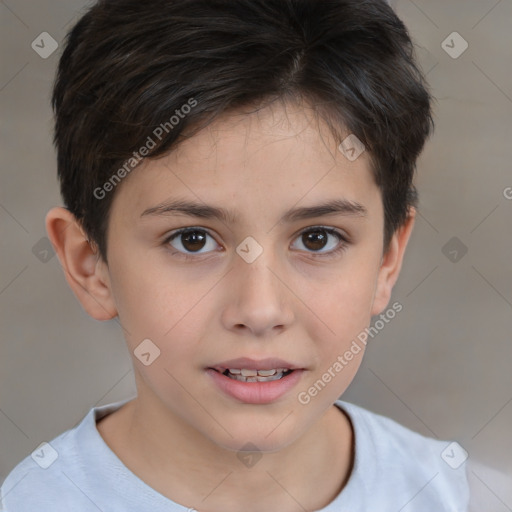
(298, 301)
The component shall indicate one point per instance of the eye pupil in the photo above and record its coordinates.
(314, 240)
(193, 240)
(318, 239)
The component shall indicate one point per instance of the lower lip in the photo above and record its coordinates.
(255, 392)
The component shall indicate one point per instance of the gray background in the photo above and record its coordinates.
(441, 367)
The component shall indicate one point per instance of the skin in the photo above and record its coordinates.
(181, 435)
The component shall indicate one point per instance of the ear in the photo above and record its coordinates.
(391, 264)
(86, 272)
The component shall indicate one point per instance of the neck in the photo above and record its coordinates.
(183, 465)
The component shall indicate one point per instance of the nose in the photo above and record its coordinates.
(260, 300)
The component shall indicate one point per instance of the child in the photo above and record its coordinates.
(238, 182)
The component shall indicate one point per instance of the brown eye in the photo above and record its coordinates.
(191, 240)
(315, 240)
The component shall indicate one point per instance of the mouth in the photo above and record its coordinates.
(256, 382)
(248, 375)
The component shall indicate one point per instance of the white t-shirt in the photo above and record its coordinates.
(395, 469)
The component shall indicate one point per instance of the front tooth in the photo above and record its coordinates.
(277, 376)
(266, 373)
(234, 371)
(249, 373)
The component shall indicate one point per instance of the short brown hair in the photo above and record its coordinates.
(129, 66)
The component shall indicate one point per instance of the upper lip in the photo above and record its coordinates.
(253, 364)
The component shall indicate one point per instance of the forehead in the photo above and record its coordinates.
(279, 156)
(281, 133)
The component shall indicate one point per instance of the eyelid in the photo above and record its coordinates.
(343, 237)
(343, 241)
(177, 232)
(330, 229)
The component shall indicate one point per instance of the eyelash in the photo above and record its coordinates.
(342, 246)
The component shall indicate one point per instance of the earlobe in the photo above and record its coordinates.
(85, 271)
(391, 264)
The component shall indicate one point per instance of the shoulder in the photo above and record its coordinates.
(54, 477)
(42, 481)
(417, 468)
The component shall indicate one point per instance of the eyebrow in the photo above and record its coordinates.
(185, 207)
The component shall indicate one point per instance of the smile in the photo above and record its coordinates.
(246, 375)
(255, 386)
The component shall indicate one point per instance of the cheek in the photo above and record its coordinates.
(342, 306)
(341, 302)
(160, 308)
(338, 335)
(150, 302)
